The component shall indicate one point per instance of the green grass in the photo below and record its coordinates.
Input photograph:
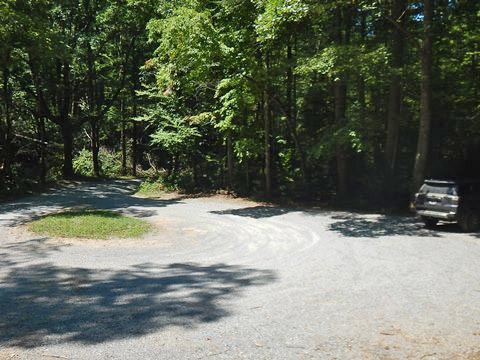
(92, 224)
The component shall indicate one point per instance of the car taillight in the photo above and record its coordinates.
(419, 198)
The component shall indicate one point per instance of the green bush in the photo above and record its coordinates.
(110, 163)
(155, 187)
(185, 181)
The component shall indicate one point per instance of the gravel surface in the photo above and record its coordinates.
(233, 279)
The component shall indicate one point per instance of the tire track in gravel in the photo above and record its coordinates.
(285, 283)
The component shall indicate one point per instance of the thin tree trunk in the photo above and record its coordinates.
(267, 114)
(247, 175)
(8, 138)
(229, 161)
(292, 117)
(67, 136)
(268, 155)
(124, 138)
(361, 79)
(394, 101)
(362, 98)
(134, 115)
(93, 113)
(95, 143)
(425, 98)
(134, 140)
(64, 104)
(43, 152)
(64, 101)
(340, 91)
(340, 95)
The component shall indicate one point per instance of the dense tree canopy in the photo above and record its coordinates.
(313, 99)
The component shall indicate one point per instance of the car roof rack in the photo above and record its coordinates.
(452, 182)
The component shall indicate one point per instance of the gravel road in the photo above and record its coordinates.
(226, 278)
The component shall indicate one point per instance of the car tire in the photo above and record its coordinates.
(430, 223)
(469, 221)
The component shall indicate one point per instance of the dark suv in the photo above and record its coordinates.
(449, 201)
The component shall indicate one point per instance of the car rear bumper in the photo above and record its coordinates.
(449, 216)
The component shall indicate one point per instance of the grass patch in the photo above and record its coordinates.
(92, 224)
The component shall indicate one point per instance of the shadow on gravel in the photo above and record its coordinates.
(256, 212)
(112, 195)
(351, 224)
(43, 303)
(16, 253)
(364, 226)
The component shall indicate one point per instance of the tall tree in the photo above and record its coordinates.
(398, 19)
(423, 143)
(341, 38)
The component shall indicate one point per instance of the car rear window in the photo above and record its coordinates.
(437, 188)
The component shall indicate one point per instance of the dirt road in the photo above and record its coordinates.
(233, 279)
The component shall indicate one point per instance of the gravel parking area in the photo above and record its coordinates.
(233, 279)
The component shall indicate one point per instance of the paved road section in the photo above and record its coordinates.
(223, 278)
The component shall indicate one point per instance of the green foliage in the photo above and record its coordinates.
(159, 185)
(333, 138)
(174, 135)
(276, 17)
(234, 96)
(155, 187)
(335, 61)
(186, 45)
(189, 84)
(110, 162)
(173, 132)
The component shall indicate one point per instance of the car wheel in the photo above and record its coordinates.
(430, 223)
(469, 221)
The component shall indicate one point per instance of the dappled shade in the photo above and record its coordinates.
(104, 196)
(353, 225)
(44, 303)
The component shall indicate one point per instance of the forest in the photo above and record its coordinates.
(334, 100)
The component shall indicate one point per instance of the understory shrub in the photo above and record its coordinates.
(183, 181)
(110, 163)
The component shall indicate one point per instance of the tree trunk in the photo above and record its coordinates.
(8, 138)
(134, 115)
(134, 143)
(93, 113)
(340, 95)
(43, 152)
(67, 136)
(95, 143)
(268, 152)
(124, 138)
(229, 161)
(267, 114)
(67, 123)
(425, 98)
(247, 175)
(394, 100)
(340, 91)
(292, 117)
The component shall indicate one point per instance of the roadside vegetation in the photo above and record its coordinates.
(155, 187)
(91, 224)
(320, 100)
